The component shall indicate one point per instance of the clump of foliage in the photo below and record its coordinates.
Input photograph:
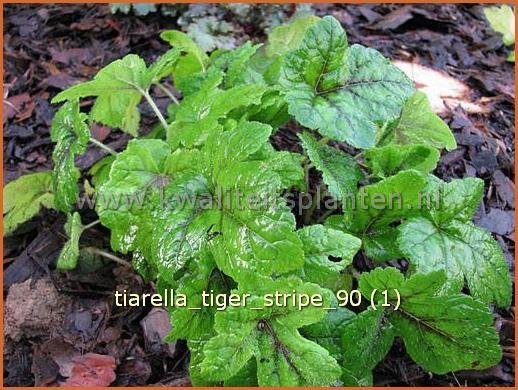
(501, 18)
(216, 140)
(217, 26)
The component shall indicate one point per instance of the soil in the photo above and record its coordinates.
(84, 337)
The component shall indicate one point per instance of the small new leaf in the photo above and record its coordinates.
(287, 37)
(67, 259)
(391, 159)
(339, 171)
(71, 134)
(418, 124)
(183, 42)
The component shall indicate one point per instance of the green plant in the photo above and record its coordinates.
(218, 25)
(502, 20)
(184, 225)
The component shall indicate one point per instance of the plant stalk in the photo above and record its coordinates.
(90, 225)
(155, 109)
(103, 146)
(323, 141)
(109, 256)
(166, 90)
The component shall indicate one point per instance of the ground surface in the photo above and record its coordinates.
(50, 47)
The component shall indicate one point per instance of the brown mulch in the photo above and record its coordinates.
(48, 48)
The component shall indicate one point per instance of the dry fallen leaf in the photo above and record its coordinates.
(92, 370)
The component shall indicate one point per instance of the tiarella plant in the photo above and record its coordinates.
(190, 225)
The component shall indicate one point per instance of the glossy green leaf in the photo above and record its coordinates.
(458, 199)
(24, 197)
(426, 321)
(442, 332)
(69, 255)
(365, 342)
(199, 276)
(71, 134)
(339, 170)
(149, 205)
(418, 124)
(272, 110)
(100, 171)
(389, 160)
(339, 90)
(328, 332)
(284, 357)
(163, 66)
(258, 241)
(445, 239)
(380, 244)
(289, 36)
(464, 252)
(118, 88)
(286, 164)
(320, 243)
(235, 65)
(183, 42)
(199, 114)
(389, 200)
(370, 215)
(257, 229)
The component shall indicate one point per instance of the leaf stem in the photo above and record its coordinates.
(103, 146)
(90, 225)
(358, 156)
(155, 109)
(323, 141)
(166, 90)
(109, 256)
